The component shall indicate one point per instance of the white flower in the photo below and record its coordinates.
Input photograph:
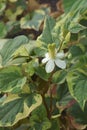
(51, 62)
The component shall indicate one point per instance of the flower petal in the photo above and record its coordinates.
(44, 60)
(60, 55)
(47, 55)
(60, 63)
(50, 66)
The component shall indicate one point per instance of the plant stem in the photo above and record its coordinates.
(45, 104)
(44, 101)
(50, 101)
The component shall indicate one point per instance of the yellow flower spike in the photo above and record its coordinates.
(51, 50)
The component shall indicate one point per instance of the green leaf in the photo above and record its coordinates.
(77, 10)
(23, 127)
(4, 128)
(83, 60)
(30, 47)
(68, 4)
(13, 14)
(17, 107)
(59, 76)
(21, 51)
(11, 79)
(77, 83)
(40, 52)
(2, 98)
(63, 96)
(10, 47)
(74, 5)
(55, 124)
(40, 71)
(29, 67)
(13, 1)
(34, 22)
(79, 116)
(39, 119)
(3, 30)
(46, 36)
(2, 6)
(84, 41)
(75, 28)
(21, 3)
(2, 42)
(18, 60)
(76, 51)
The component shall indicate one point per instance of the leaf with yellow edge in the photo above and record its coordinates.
(17, 107)
(77, 83)
(12, 79)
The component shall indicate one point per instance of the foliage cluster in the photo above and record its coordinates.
(36, 95)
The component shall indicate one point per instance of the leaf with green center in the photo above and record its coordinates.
(39, 120)
(2, 6)
(74, 5)
(11, 79)
(3, 30)
(10, 47)
(59, 76)
(46, 37)
(21, 3)
(76, 51)
(3, 98)
(40, 71)
(77, 11)
(68, 4)
(30, 47)
(2, 42)
(35, 22)
(55, 124)
(77, 83)
(13, 1)
(5, 128)
(11, 15)
(63, 97)
(76, 27)
(83, 60)
(21, 51)
(29, 67)
(77, 114)
(40, 52)
(17, 107)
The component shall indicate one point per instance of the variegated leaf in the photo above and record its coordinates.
(11, 79)
(17, 107)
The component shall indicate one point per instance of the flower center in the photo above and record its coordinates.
(51, 50)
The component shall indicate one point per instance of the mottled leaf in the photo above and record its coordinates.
(75, 28)
(11, 79)
(17, 107)
(34, 22)
(46, 36)
(77, 114)
(77, 83)
(10, 47)
(3, 30)
(39, 119)
(55, 124)
(40, 71)
(63, 96)
(59, 76)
